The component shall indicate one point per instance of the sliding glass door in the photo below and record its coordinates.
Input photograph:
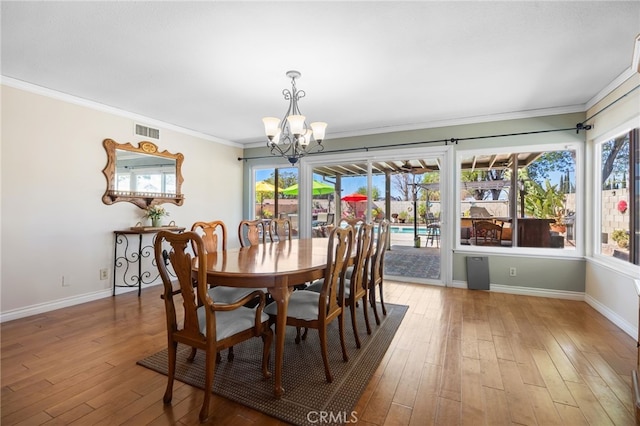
(405, 190)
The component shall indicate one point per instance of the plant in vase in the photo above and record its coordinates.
(155, 213)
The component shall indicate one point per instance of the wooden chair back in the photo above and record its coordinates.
(359, 281)
(487, 233)
(280, 230)
(251, 232)
(364, 249)
(376, 273)
(338, 255)
(213, 234)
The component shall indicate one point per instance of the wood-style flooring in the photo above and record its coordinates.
(459, 357)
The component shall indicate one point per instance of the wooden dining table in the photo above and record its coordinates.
(278, 266)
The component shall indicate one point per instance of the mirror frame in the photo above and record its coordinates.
(140, 199)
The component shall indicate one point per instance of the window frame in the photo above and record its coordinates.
(580, 183)
(595, 244)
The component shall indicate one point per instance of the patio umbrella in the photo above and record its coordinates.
(261, 188)
(318, 188)
(354, 197)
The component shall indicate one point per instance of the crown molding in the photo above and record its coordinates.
(43, 91)
(445, 123)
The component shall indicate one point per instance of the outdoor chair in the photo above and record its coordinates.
(310, 309)
(205, 325)
(488, 233)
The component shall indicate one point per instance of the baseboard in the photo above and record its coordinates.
(65, 303)
(52, 306)
(612, 316)
(538, 292)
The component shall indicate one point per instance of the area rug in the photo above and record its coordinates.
(403, 261)
(307, 394)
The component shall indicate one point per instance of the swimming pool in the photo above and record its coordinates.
(407, 229)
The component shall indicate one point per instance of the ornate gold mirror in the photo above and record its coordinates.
(143, 175)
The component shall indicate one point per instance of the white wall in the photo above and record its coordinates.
(54, 223)
(609, 288)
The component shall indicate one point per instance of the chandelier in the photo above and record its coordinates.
(294, 139)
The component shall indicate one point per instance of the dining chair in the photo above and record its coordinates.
(356, 285)
(214, 237)
(376, 272)
(488, 233)
(310, 309)
(205, 325)
(280, 230)
(252, 232)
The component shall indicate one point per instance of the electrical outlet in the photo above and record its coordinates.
(65, 283)
(104, 273)
(512, 272)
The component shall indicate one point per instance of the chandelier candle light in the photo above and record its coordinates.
(294, 139)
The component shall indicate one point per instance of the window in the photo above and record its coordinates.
(530, 193)
(272, 181)
(619, 187)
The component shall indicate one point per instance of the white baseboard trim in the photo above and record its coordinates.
(538, 292)
(526, 291)
(612, 316)
(52, 306)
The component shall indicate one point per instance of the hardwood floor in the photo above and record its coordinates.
(459, 357)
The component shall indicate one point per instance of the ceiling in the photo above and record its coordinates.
(217, 68)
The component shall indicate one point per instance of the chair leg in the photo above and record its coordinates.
(230, 354)
(345, 356)
(384, 309)
(171, 371)
(297, 335)
(354, 323)
(322, 331)
(372, 301)
(192, 355)
(208, 383)
(267, 338)
(366, 313)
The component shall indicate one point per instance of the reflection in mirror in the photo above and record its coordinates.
(143, 175)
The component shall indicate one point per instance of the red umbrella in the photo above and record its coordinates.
(354, 197)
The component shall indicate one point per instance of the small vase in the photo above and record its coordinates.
(156, 222)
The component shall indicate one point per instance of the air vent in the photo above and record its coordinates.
(147, 132)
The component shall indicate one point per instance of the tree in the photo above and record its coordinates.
(615, 156)
(375, 193)
(402, 182)
(285, 180)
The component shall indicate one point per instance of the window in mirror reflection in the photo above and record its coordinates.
(143, 173)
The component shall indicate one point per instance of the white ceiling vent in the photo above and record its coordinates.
(147, 132)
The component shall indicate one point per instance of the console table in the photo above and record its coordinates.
(128, 257)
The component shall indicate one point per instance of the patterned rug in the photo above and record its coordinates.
(306, 390)
(404, 261)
